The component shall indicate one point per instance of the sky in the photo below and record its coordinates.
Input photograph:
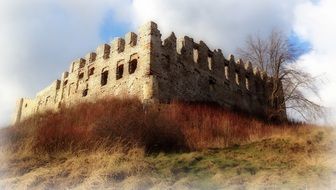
(39, 38)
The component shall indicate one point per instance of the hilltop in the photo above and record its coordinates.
(122, 144)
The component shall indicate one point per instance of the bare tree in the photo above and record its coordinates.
(277, 56)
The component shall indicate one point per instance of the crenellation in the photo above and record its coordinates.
(204, 59)
(64, 75)
(169, 54)
(117, 45)
(149, 29)
(154, 70)
(170, 42)
(187, 48)
(103, 51)
(256, 72)
(263, 75)
(18, 111)
(231, 58)
(48, 90)
(72, 66)
(248, 67)
(131, 39)
(77, 64)
(58, 84)
(240, 63)
(219, 64)
(90, 57)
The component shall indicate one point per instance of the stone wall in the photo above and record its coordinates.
(120, 68)
(188, 71)
(144, 67)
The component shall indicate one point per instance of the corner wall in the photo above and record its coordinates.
(120, 69)
(189, 71)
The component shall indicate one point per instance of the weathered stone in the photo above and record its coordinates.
(142, 66)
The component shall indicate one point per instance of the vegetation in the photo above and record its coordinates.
(121, 144)
(277, 56)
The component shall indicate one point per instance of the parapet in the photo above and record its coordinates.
(149, 28)
(50, 89)
(78, 63)
(65, 75)
(248, 67)
(90, 57)
(103, 51)
(170, 42)
(118, 45)
(202, 56)
(186, 47)
(131, 39)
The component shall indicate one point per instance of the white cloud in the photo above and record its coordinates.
(222, 24)
(39, 38)
(315, 22)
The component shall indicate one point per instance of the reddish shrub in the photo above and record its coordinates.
(133, 125)
(165, 127)
(56, 138)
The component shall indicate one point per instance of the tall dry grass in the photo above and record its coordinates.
(158, 127)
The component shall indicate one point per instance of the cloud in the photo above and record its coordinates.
(222, 24)
(315, 22)
(39, 38)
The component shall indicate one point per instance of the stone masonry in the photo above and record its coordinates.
(144, 67)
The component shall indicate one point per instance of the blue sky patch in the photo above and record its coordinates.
(112, 28)
(300, 46)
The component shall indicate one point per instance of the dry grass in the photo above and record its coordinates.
(173, 127)
(116, 144)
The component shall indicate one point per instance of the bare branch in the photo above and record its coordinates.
(277, 56)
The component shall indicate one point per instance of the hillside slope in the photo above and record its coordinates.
(119, 144)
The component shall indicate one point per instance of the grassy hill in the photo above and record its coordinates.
(121, 144)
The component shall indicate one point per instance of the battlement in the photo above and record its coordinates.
(209, 60)
(199, 53)
(145, 66)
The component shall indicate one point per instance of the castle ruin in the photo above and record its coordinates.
(143, 66)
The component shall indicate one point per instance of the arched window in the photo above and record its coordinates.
(210, 62)
(81, 76)
(195, 55)
(247, 83)
(212, 83)
(226, 72)
(104, 77)
(91, 71)
(47, 100)
(132, 65)
(237, 78)
(120, 70)
(85, 92)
